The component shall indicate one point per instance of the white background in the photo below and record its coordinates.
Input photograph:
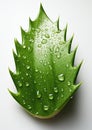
(77, 115)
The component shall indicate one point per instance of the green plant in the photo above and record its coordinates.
(45, 72)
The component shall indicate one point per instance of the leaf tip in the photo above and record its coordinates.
(30, 24)
(15, 95)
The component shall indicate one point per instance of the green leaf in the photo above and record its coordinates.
(45, 76)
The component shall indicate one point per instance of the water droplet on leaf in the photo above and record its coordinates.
(55, 89)
(56, 49)
(36, 70)
(62, 89)
(45, 64)
(19, 55)
(45, 107)
(62, 95)
(38, 30)
(45, 89)
(69, 83)
(24, 57)
(70, 90)
(37, 113)
(50, 67)
(44, 41)
(24, 46)
(28, 67)
(39, 45)
(34, 82)
(58, 55)
(29, 48)
(71, 97)
(51, 96)
(31, 40)
(24, 102)
(54, 62)
(38, 94)
(47, 35)
(67, 65)
(27, 84)
(26, 74)
(61, 77)
(29, 107)
(20, 84)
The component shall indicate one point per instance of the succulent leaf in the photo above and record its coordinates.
(45, 76)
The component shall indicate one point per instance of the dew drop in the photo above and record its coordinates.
(27, 61)
(29, 107)
(70, 90)
(67, 65)
(47, 35)
(58, 55)
(24, 57)
(34, 82)
(48, 63)
(56, 109)
(37, 113)
(24, 102)
(45, 55)
(45, 89)
(41, 77)
(62, 95)
(44, 80)
(57, 98)
(45, 64)
(24, 46)
(50, 67)
(38, 94)
(54, 62)
(28, 67)
(29, 48)
(41, 61)
(26, 74)
(19, 55)
(39, 45)
(55, 90)
(51, 96)
(56, 49)
(31, 40)
(44, 41)
(22, 96)
(45, 107)
(36, 70)
(62, 89)
(61, 77)
(32, 29)
(40, 72)
(71, 97)
(69, 83)
(27, 84)
(22, 78)
(47, 73)
(38, 30)
(20, 84)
